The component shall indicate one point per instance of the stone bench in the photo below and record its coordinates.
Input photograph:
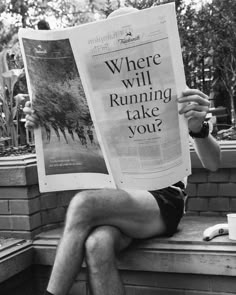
(182, 264)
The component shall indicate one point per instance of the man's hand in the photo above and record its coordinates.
(196, 108)
(32, 120)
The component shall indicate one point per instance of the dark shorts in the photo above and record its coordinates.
(171, 202)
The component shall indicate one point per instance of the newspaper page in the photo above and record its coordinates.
(132, 73)
(68, 152)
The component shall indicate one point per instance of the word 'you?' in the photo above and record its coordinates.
(142, 77)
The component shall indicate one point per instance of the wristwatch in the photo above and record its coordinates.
(203, 133)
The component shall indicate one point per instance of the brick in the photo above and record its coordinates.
(65, 197)
(218, 204)
(22, 222)
(227, 189)
(207, 190)
(78, 288)
(49, 201)
(4, 207)
(51, 226)
(18, 192)
(210, 213)
(24, 206)
(232, 205)
(31, 174)
(197, 204)
(198, 176)
(232, 177)
(13, 192)
(191, 189)
(21, 175)
(192, 213)
(33, 191)
(12, 176)
(222, 175)
(20, 234)
(166, 280)
(224, 284)
(35, 220)
(53, 215)
(224, 214)
(5, 222)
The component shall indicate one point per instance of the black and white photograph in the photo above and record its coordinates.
(69, 140)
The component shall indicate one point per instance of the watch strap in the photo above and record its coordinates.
(203, 133)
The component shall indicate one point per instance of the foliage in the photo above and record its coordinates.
(208, 36)
(223, 43)
(65, 13)
(9, 123)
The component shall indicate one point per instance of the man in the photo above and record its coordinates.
(101, 222)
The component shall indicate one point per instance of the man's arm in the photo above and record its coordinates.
(195, 109)
(208, 151)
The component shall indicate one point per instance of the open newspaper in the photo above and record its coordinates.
(120, 127)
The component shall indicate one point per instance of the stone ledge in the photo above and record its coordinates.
(18, 171)
(14, 258)
(184, 253)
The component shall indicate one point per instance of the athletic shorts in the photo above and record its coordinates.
(171, 201)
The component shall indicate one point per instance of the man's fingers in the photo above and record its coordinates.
(31, 121)
(32, 118)
(29, 125)
(189, 92)
(27, 110)
(195, 114)
(28, 104)
(195, 98)
(194, 107)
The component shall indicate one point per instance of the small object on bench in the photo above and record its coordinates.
(215, 230)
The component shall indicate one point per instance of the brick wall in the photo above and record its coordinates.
(19, 211)
(53, 208)
(213, 193)
(25, 212)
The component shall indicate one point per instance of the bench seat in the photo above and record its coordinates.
(182, 264)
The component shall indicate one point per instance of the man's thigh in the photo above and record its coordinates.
(136, 213)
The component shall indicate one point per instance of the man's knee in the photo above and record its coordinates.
(81, 208)
(100, 247)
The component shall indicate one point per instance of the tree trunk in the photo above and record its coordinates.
(232, 111)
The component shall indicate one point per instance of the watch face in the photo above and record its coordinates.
(203, 133)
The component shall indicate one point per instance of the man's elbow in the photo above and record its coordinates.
(213, 165)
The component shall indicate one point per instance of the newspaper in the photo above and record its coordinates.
(120, 127)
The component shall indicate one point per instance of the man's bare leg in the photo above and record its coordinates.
(101, 248)
(135, 213)
(69, 256)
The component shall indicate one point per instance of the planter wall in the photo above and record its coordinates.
(19, 197)
(213, 193)
(25, 212)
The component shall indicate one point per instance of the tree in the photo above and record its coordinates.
(208, 37)
(223, 44)
(26, 13)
